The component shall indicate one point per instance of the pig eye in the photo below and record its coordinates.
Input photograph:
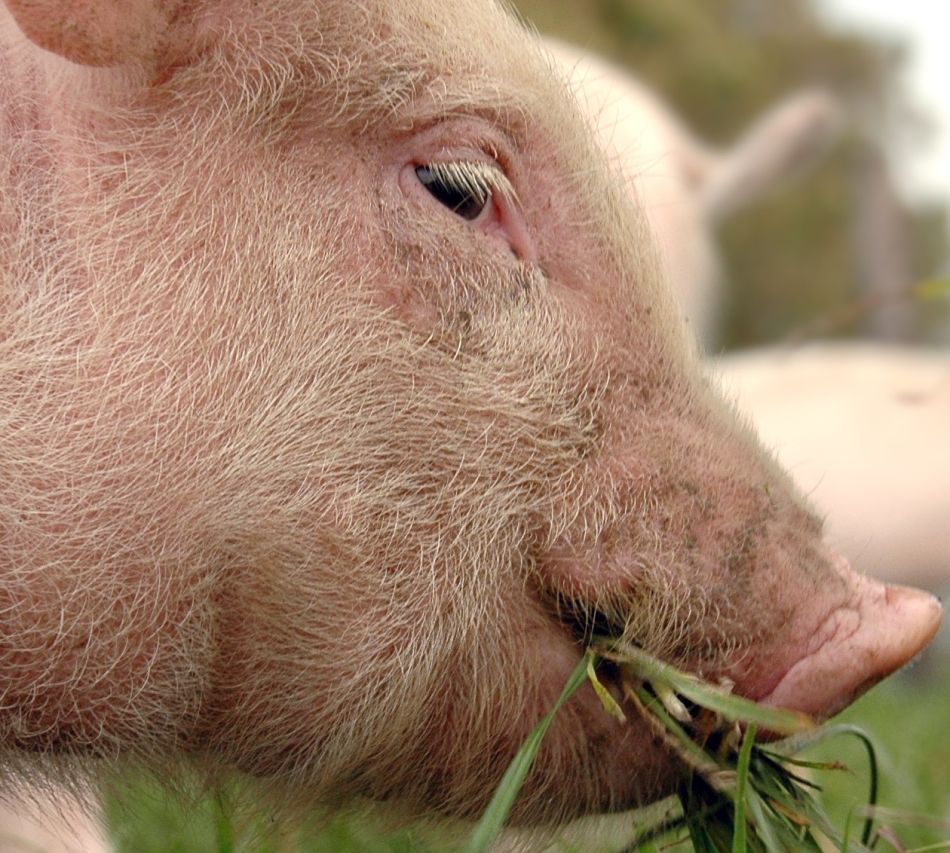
(465, 188)
(479, 192)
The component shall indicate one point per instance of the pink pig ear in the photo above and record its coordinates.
(98, 32)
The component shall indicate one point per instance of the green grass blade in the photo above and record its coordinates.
(768, 827)
(742, 780)
(794, 744)
(692, 754)
(224, 828)
(608, 701)
(846, 835)
(499, 808)
(731, 707)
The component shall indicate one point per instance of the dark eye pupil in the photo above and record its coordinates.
(457, 199)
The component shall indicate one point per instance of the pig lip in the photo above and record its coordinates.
(859, 645)
(584, 622)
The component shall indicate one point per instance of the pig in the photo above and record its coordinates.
(61, 828)
(862, 427)
(342, 402)
(686, 187)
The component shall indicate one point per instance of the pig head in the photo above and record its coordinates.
(341, 403)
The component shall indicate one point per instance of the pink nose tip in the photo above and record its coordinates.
(881, 629)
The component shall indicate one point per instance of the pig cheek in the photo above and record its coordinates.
(589, 762)
(428, 255)
(100, 656)
(108, 608)
(299, 664)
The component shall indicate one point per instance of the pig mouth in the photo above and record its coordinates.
(831, 652)
(833, 658)
(585, 623)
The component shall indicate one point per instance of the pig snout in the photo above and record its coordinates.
(877, 631)
(838, 644)
(828, 636)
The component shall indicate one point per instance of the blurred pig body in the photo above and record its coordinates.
(863, 429)
(50, 826)
(340, 401)
(685, 186)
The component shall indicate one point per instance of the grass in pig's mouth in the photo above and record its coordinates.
(738, 794)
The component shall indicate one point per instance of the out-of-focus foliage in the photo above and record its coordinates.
(793, 262)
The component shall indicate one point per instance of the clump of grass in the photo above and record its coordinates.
(738, 795)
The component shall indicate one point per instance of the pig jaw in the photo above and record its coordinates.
(593, 764)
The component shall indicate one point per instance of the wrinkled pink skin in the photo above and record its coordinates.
(305, 474)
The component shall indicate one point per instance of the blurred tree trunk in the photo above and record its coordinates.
(882, 250)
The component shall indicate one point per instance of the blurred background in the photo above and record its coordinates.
(839, 251)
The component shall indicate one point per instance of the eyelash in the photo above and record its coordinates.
(478, 179)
